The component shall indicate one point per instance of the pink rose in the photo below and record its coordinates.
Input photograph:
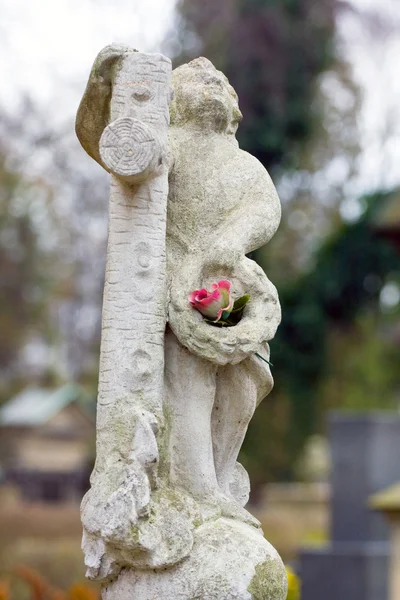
(212, 304)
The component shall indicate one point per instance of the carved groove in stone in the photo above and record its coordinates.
(129, 147)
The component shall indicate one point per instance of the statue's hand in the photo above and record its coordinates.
(105, 60)
(226, 344)
(116, 536)
(93, 111)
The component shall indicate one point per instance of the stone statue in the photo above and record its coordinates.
(165, 515)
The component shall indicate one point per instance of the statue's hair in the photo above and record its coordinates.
(184, 74)
(189, 69)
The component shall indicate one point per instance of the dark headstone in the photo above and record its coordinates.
(345, 571)
(365, 459)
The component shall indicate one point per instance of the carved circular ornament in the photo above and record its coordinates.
(128, 147)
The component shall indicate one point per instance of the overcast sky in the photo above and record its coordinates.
(48, 46)
(375, 57)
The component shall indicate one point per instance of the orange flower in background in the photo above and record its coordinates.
(41, 589)
(4, 589)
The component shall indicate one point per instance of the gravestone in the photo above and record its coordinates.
(365, 459)
(165, 517)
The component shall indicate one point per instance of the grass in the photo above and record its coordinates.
(43, 538)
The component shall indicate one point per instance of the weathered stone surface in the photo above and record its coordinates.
(229, 560)
(165, 516)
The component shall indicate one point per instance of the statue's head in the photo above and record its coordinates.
(203, 96)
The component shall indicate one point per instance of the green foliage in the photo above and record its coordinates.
(364, 365)
(323, 339)
(272, 52)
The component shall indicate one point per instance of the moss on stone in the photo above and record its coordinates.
(269, 581)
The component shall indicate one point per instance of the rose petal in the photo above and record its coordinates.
(197, 294)
(225, 284)
(211, 299)
(192, 297)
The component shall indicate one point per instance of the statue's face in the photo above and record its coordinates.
(204, 96)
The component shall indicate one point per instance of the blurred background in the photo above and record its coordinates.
(319, 90)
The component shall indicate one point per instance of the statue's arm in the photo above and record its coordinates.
(229, 344)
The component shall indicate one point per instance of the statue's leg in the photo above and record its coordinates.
(239, 389)
(189, 398)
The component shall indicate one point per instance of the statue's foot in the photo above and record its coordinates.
(232, 510)
(224, 505)
(229, 561)
(210, 510)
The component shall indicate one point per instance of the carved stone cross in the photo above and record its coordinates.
(165, 517)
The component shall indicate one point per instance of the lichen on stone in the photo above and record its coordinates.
(269, 581)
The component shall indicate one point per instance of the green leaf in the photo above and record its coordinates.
(240, 303)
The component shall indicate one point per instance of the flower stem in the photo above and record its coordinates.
(264, 359)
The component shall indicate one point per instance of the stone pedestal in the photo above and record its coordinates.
(229, 560)
(365, 459)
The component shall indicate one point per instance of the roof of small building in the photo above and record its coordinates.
(34, 406)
